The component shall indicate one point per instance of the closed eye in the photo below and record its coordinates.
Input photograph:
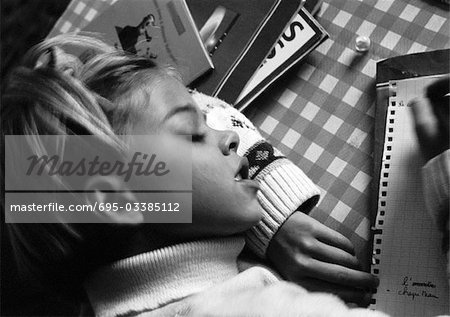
(198, 138)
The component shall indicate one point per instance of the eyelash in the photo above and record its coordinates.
(198, 138)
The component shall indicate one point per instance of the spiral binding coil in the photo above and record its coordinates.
(384, 181)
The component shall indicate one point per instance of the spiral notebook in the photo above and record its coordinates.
(407, 246)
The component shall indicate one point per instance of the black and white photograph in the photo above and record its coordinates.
(225, 158)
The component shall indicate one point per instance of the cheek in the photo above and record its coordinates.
(219, 205)
(209, 186)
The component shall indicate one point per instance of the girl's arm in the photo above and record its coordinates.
(436, 187)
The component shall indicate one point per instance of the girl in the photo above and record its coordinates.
(130, 269)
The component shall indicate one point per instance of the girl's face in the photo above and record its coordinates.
(224, 199)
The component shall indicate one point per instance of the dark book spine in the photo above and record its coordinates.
(258, 50)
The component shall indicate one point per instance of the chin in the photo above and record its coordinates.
(241, 222)
(232, 216)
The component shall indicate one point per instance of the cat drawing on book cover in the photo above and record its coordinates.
(138, 39)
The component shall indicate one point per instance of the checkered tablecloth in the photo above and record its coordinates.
(321, 113)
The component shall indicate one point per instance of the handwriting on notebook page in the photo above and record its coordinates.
(413, 288)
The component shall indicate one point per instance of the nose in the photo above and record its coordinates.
(228, 141)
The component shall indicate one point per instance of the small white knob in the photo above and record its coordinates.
(362, 44)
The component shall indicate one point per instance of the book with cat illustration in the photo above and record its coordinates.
(408, 257)
(163, 30)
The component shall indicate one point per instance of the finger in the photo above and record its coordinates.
(426, 124)
(340, 275)
(439, 88)
(331, 237)
(445, 237)
(347, 294)
(443, 118)
(438, 94)
(326, 253)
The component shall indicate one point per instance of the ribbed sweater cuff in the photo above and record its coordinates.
(436, 174)
(284, 188)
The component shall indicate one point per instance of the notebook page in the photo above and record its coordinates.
(409, 260)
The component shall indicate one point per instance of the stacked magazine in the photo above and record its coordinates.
(231, 49)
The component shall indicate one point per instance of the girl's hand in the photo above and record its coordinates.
(431, 117)
(320, 259)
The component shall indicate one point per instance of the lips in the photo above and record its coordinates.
(242, 171)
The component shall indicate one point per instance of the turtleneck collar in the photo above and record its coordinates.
(150, 280)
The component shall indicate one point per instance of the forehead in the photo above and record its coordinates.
(168, 92)
(165, 95)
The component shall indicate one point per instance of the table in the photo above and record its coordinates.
(321, 113)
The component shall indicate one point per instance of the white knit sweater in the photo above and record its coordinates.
(162, 282)
(154, 279)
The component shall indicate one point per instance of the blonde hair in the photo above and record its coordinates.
(101, 93)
